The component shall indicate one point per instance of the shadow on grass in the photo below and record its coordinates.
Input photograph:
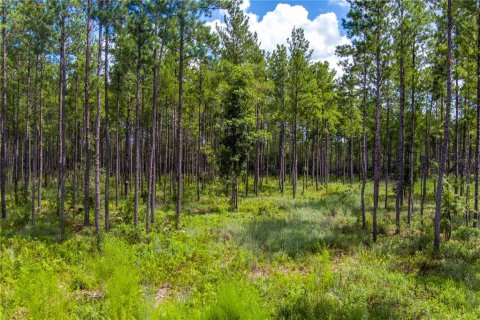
(296, 237)
(311, 226)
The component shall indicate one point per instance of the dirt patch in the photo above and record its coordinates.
(259, 272)
(89, 294)
(163, 293)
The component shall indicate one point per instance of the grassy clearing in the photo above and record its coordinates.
(276, 258)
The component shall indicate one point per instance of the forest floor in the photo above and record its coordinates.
(275, 258)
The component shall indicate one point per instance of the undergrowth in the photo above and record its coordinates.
(274, 258)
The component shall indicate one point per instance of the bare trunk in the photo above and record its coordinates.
(401, 134)
(97, 133)
(3, 125)
(179, 123)
(107, 133)
(376, 161)
(446, 132)
(412, 143)
(86, 191)
(61, 133)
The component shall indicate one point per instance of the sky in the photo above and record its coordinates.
(273, 21)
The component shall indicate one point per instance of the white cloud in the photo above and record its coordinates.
(245, 5)
(323, 32)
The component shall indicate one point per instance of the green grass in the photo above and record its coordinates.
(275, 258)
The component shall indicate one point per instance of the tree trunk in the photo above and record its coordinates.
(446, 133)
(376, 161)
(199, 138)
(117, 143)
(477, 142)
(40, 141)
(107, 132)
(389, 148)
(401, 133)
(282, 157)
(35, 143)
(3, 128)
(426, 161)
(61, 124)
(364, 144)
(412, 143)
(257, 152)
(86, 124)
(27, 167)
(179, 122)
(137, 134)
(97, 132)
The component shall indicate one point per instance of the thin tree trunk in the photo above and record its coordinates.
(446, 132)
(137, 134)
(456, 135)
(294, 144)
(389, 148)
(257, 152)
(117, 143)
(401, 133)
(199, 138)
(477, 142)
(426, 160)
(107, 132)
(40, 141)
(412, 143)
(376, 161)
(282, 157)
(364, 145)
(35, 131)
(88, 155)
(61, 133)
(179, 122)
(27, 167)
(97, 133)
(3, 128)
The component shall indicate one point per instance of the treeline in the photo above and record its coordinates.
(112, 100)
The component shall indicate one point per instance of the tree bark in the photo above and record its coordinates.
(86, 124)
(412, 143)
(401, 131)
(61, 126)
(376, 159)
(107, 131)
(179, 121)
(137, 134)
(446, 133)
(3, 147)
(97, 132)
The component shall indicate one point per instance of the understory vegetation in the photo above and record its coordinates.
(274, 258)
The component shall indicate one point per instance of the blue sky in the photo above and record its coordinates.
(314, 7)
(273, 22)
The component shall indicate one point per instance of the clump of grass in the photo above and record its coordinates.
(236, 300)
(117, 273)
(40, 295)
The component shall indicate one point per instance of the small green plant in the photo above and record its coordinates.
(236, 301)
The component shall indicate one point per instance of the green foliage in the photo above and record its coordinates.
(276, 258)
(236, 300)
(236, 140)
(121, 281)
(39, 290)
